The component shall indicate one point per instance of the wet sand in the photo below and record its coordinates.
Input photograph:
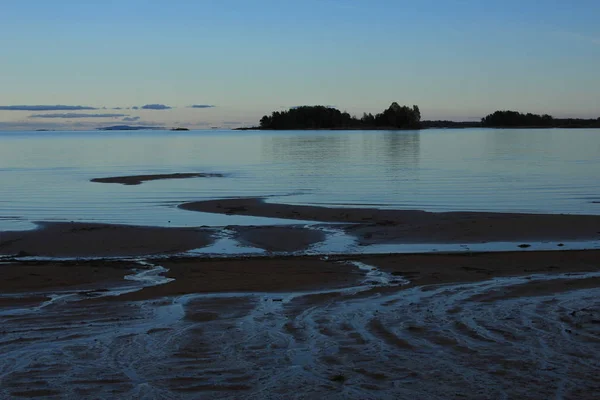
(435, 326)
(244, 275)
(435, 269)
(71, 239)
(139, 179)
(373, 226)
(391, 326)
(52, 276)
(289, 273)
(361, 227)
(279, 238)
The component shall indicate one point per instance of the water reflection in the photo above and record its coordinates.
(401, 151)
(350, 167)
(315, 149)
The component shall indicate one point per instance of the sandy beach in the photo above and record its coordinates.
(514, 325)
(72, 239)
(191, 275)
(155, 320)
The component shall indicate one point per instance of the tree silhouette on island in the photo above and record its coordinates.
(514, 119)
(397, 117)
(322, 117)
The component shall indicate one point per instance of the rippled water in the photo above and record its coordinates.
(45, 175)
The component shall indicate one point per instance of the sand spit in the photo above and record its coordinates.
(374, 226)
(139, 179)
(71, 239)
(490, 325)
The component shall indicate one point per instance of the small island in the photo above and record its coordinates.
(397, 117)
(514, 119)
(323, 117)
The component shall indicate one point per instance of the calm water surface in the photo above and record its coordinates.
(45, 175)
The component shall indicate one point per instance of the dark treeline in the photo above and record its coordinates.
(403, 117)
(514, 119)
(321, 117)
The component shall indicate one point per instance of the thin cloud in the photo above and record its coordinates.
(48, 124)
(135, 108)
(202, 106)
(74, 115)
(156, 107)
(131, 119)
(46, 108)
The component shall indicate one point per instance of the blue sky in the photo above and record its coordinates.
(456, 59)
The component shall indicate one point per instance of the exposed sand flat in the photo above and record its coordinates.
(290, 273)
(490, 325)
(45, 276)
(58, 239)
(260, 274)
(70, 239)
(279, 238)
(428, 269)
(375, 226)
(139, 179)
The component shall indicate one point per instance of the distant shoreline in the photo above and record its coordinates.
(425, 126)
(398, 117)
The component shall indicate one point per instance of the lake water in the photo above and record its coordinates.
(46, 175)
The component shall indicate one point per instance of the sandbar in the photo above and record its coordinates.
(139, 179)
(73, 239)
(290, 273)
(46, 276)
(376, 226)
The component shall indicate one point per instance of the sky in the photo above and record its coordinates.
(242, 59)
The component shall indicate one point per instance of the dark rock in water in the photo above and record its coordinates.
(524, 245)
(561, 245)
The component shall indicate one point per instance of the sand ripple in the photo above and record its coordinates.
(519, 337)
